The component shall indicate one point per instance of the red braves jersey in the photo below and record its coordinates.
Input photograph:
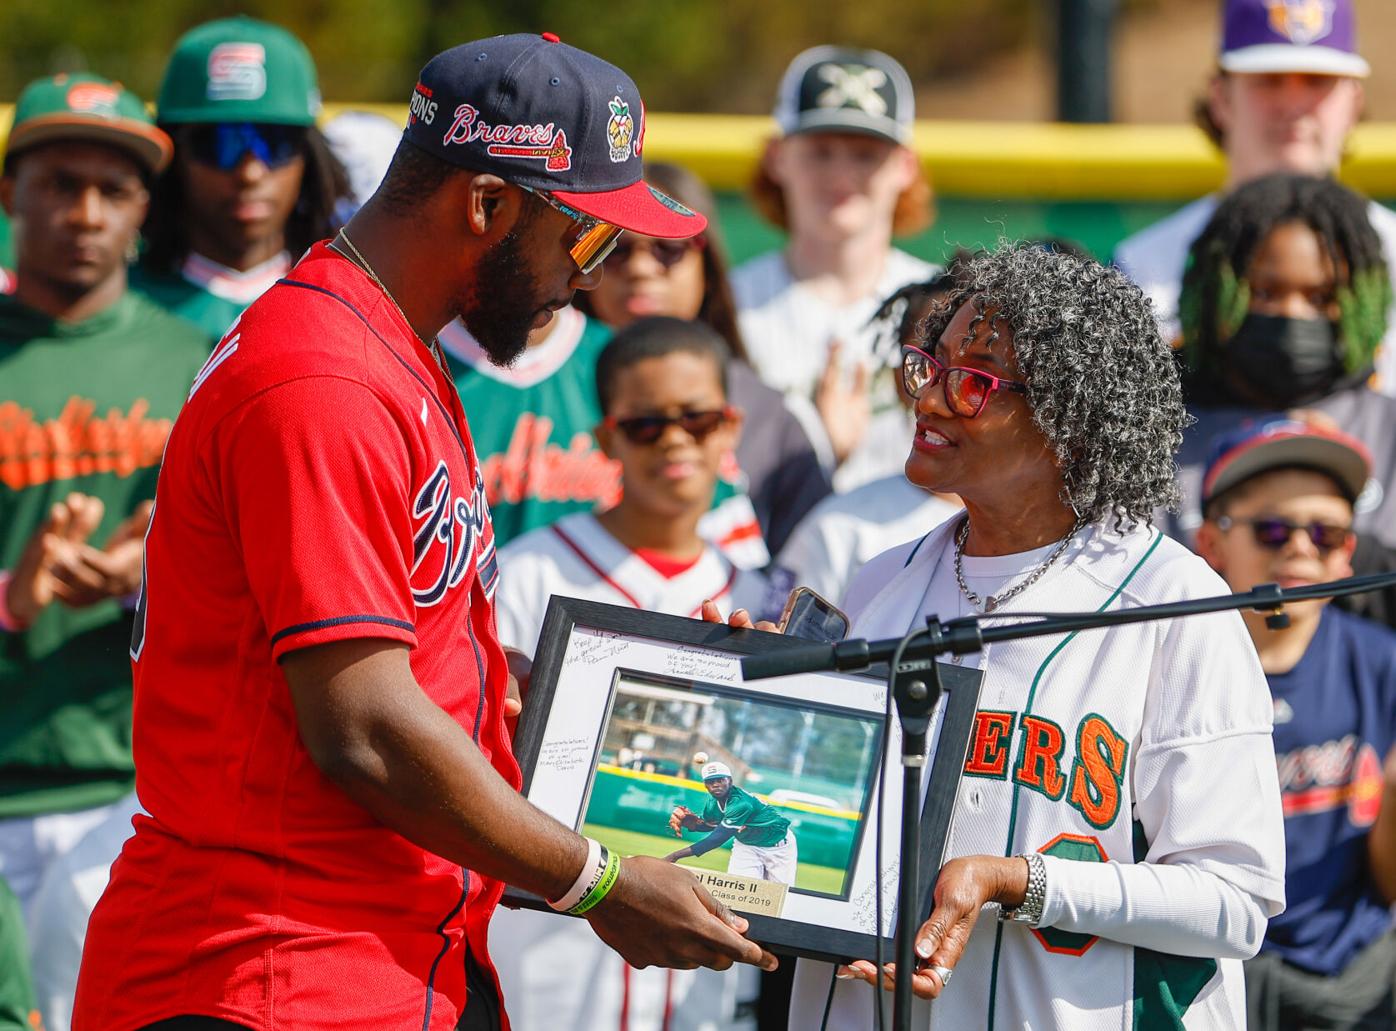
(319, 485)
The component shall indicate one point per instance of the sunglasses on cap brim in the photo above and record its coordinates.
(593, 240)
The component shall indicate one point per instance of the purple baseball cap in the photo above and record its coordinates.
(1316, 37)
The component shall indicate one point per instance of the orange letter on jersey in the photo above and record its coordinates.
(1098, 772)
(988, 751)
(1038, 768)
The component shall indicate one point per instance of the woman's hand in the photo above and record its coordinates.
(740, 618)
(965, 885)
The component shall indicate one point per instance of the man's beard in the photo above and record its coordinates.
(503, 302)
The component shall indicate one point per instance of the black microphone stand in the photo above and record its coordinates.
(915, 685)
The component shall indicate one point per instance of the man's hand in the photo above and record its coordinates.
(90, 575)
(520, 673)
(740, 619)
(659, 915)
(35, 581)
(962, 889)
(843, 406)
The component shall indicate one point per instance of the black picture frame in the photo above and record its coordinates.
(561, 623)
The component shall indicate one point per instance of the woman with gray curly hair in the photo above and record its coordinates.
(1119, 810)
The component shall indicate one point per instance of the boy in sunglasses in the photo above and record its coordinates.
(661, 384)
(1278, 501)
(662, 388)
(253, 182)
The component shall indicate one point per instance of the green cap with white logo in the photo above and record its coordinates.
(239, 70)
(86, 109)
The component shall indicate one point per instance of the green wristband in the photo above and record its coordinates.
(602, 888)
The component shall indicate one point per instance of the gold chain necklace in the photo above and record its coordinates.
(358, 259)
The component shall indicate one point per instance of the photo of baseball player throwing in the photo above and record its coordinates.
(738, 779)
(763, 845)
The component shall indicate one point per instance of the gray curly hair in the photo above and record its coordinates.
(1102, 385)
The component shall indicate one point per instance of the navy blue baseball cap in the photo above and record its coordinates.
(545, 115)
(1282, 442)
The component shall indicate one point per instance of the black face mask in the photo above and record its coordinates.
(1279, 362)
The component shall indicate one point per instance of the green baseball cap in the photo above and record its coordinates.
(91, 109)
(239, 70)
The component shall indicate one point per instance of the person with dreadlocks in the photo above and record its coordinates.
(253, 182)
(1120, 804)
(1284, 303)
(1286, 96)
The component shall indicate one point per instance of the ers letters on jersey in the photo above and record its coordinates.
(1093, 781)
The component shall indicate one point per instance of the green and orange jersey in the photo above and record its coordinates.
(86, 407)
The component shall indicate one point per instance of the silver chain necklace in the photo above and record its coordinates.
(993, 601)
(358, 259)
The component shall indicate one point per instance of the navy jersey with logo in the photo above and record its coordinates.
(1335, 719)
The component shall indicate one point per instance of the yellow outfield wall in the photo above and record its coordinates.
(1032, 160)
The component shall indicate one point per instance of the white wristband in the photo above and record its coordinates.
(592, 870)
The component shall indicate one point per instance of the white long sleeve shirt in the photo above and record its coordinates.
(1137, 759)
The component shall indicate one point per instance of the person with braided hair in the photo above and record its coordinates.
(1284, 304)
(1286, 96)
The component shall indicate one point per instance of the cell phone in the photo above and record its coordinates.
(809, 616)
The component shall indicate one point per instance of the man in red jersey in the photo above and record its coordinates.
(320, 691)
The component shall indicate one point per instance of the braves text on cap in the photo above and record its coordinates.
(545, 115)
(1317, 37)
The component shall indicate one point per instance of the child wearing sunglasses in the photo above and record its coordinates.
(661, 384)
(1278, 501)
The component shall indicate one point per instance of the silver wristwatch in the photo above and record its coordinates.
(1030, 912)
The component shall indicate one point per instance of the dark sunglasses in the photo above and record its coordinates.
(667, 252)
(967, 390)
(646, 429)
(1274, 533)
(223, 145)
(593, 239)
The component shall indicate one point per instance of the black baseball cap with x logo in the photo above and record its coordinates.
(841, 89)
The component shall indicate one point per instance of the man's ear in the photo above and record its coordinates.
(605, 438)
(1219, 102)
(770, 159)
(492, 206)
(7, 195)
(1208, 545)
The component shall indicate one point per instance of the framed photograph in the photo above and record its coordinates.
(633, 716)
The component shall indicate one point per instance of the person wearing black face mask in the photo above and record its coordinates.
(1284, 304)
(1279, 361)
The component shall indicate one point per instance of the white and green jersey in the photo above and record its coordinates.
(1137, 760)
(757, 824)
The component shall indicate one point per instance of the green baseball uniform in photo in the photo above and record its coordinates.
(761, 825)
(19, 1008)
(86, 407)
